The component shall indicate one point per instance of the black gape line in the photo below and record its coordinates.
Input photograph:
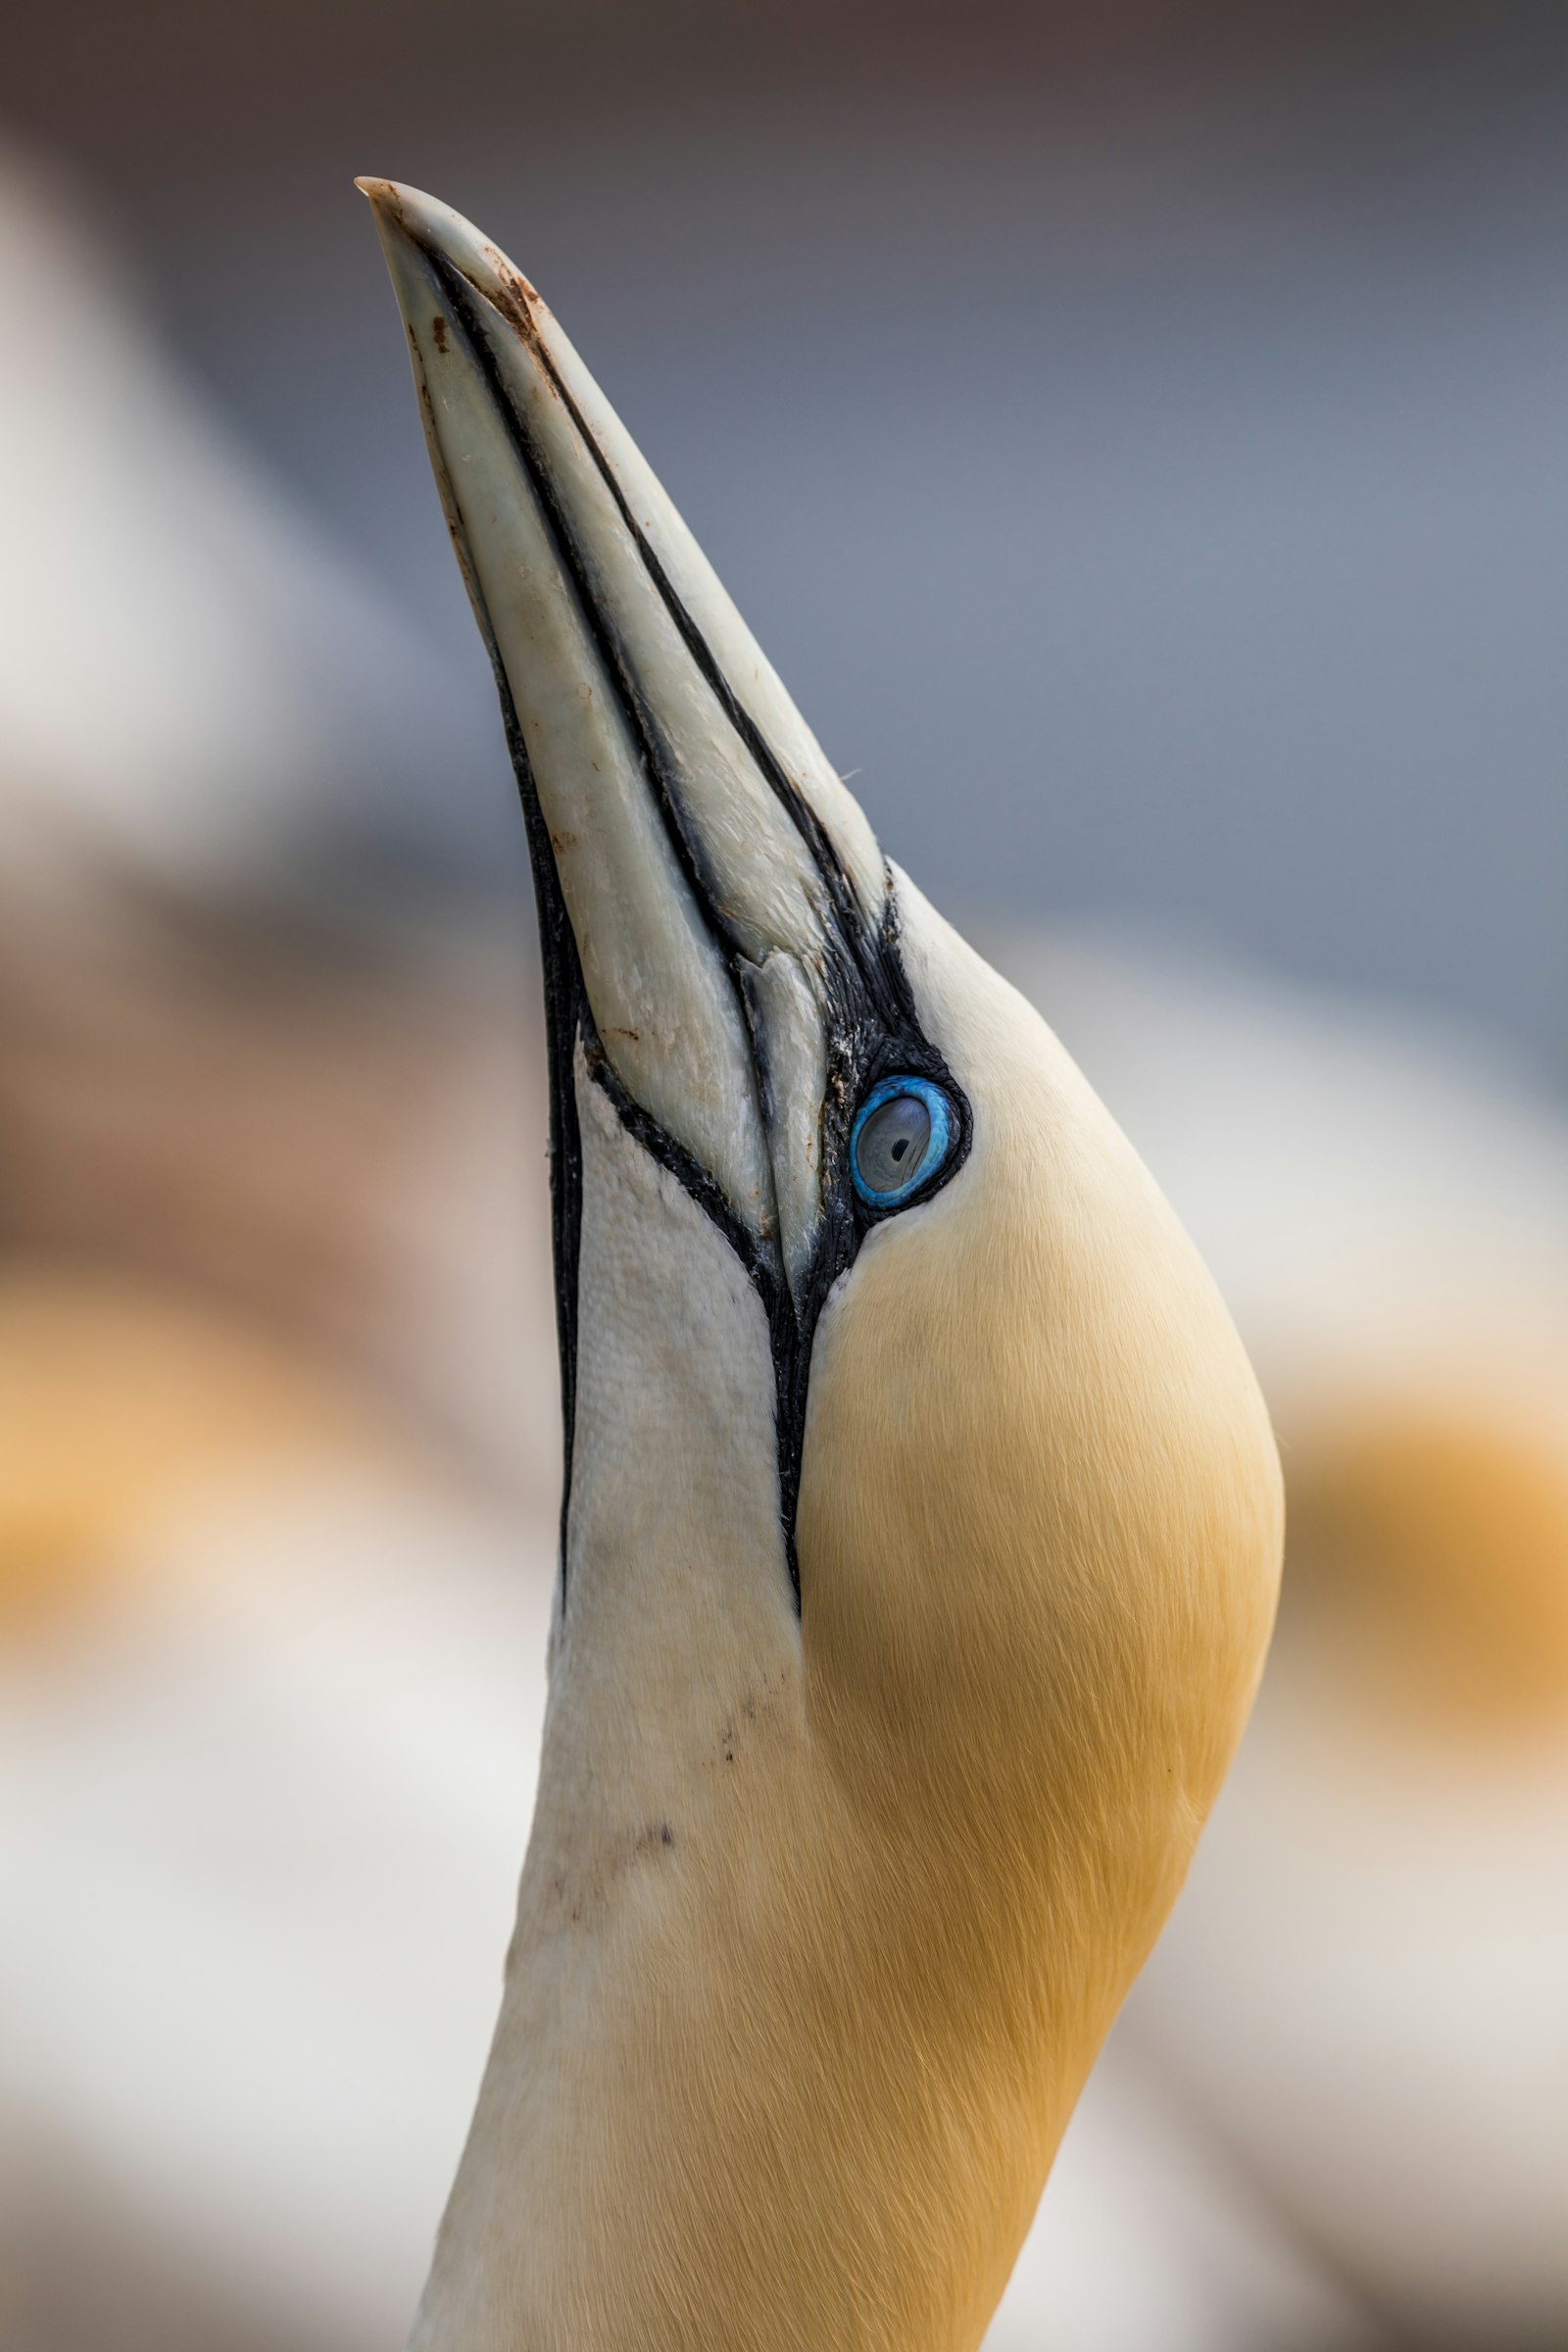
(873, 1027)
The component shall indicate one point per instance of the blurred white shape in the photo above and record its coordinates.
(1149, 2239)
(184, 672)
(1364, 1990)
(259, 1833)
(1378, 1194)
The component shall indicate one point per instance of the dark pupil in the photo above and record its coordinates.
(892, 1143)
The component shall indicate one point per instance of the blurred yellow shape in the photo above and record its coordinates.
(121, 1404)
(1441, 1534)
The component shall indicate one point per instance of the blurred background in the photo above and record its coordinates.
(1140, 438)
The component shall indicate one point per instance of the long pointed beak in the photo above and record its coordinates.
(710, 865)
(719, 931)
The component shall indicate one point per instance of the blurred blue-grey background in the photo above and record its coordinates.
(1139, 435)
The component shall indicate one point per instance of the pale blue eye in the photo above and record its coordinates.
(903, 1133)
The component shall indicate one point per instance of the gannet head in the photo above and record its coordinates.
(921, 1519)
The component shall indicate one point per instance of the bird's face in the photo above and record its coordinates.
(889, 1379)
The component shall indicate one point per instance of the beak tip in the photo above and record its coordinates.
(384, 197)
(391, 206)
(406, 215)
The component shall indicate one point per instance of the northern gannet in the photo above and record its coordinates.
(921, 1517)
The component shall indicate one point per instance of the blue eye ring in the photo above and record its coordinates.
(938, 1143)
